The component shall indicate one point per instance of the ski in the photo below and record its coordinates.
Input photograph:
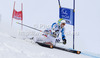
(50, 46)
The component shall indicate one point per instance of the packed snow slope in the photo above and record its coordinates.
(18, 48)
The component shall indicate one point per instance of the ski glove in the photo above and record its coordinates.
(54, 34)
(64, 41)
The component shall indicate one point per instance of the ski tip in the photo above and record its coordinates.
(51, 46)
(78, 52)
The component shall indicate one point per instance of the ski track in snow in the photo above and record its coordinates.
(18, 48)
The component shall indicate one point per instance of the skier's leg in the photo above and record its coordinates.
(50, 39)
(39, 38)
(57, 40)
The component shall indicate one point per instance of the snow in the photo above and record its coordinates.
(18, 48)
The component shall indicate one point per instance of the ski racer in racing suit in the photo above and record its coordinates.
(52, 34)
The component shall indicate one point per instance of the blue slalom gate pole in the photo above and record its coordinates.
(59, 3)
(73, 24)
(73, 21)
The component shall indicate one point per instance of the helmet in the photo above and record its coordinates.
(63, 21)
(60, 21)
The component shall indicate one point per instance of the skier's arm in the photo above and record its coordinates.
(63, 36)
(54, 25)
(53, 30)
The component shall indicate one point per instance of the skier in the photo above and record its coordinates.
(52, 34)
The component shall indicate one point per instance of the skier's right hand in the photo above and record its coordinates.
(54, 34)
(64, 41)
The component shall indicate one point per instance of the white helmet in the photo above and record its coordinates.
(63, 21)
(60, 21)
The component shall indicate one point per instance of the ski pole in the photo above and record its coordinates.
(29, 27)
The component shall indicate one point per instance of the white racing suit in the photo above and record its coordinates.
(52, 34)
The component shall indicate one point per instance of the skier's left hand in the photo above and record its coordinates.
(64, 41)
